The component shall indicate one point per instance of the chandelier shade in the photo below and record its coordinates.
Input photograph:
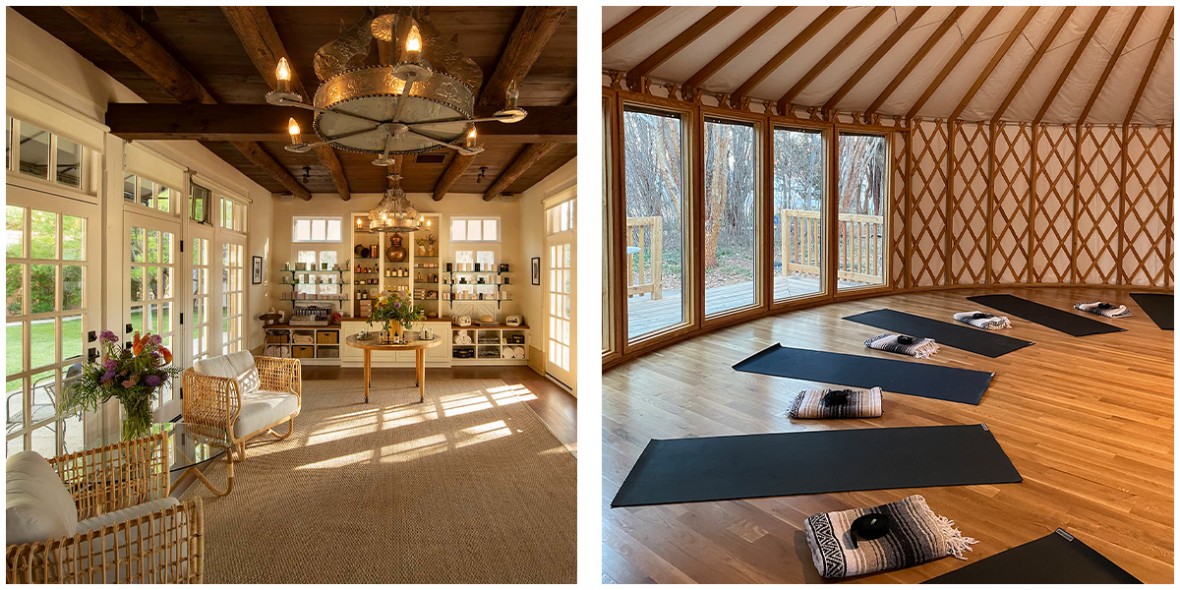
(395, 213)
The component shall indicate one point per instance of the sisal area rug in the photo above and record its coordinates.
(469, 487)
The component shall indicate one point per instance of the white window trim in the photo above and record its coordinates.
(496, 218)
(297, 218)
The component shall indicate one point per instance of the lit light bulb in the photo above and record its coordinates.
(293, 129)
(471, 138)
(413, 43)
(283, 75)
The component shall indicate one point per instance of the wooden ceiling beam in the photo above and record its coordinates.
(785, 53)
(1151, 63)
(870, 63)
(1083, 43)
(935, 37)
(263, 122)
(630, 23)
(260, 38)
(1046, 43)
(671, 48)
(1114, 57)
(126, 36)
(531, 154)
(991, 66)
(532, 33)
(842, 45)
(749, 37)
(950, 66)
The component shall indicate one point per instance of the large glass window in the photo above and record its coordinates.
(316, 229)
(798, 185)
(148, 193)
(731, 213)
(475, 229)
(860, 229)
(656, 242)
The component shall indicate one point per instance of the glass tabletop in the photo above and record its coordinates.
(188, 448)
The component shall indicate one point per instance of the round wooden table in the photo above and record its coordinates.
(375, 343)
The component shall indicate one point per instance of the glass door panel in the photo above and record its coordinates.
(152, 260)
(561, 290)
(799, 193)
(731, 213)
(861, 239)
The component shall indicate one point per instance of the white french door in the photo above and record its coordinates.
(53, 298)
(233, 293)
(560, 289)
(151, 301)
(201, 259)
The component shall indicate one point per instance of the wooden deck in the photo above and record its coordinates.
(645, 316)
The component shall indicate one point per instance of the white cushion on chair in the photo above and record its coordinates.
(38, 506)
(238, 365)
(97, 522)
(262, 409)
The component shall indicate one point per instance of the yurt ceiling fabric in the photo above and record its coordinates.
(680, 57)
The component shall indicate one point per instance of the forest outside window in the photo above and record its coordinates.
(861, 238)
(799, 194)
(731, 213)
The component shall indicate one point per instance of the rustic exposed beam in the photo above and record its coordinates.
(1046, 43)
(261, 122)
(964, 47)
(1073, 61)
(530, 155)
(126, 36)
(785, 53)
(630, 23)
(1114, 57)
(756, 32)
(260, 38)
(1155, 56)
(532, 32)
(871, 62)
(842, 45)
(671, 48)
(946, 25)
(991, 65)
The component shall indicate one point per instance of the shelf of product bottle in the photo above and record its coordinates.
(317, 271)
(467, 296)
(312, 297)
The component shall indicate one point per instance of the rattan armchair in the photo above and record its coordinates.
(213, 404)
(165, 545)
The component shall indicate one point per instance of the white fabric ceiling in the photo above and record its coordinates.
(1155, 106)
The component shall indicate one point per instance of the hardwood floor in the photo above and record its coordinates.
(1088, 422)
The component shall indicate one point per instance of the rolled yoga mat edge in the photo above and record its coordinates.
(964, 386)
(959, 336)
(1158, 307)
(1044, 315)
(747, 466)
(1057, 558)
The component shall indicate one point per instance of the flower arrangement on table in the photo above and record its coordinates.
(397, 311)
(131, 375)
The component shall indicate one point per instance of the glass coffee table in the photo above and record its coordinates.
(189, 451)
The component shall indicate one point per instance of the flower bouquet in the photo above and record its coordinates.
(131, 375)
(397, 311)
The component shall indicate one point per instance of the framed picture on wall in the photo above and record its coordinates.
(536, 276)
(256, 275)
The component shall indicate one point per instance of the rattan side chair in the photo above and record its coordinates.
(129, 530)
(242, 407)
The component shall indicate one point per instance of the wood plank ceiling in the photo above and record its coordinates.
(539, 45)
(1051, 64)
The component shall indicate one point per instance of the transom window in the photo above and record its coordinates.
(560, 217)
(233, 215)
(316, 229)
(37, 153)
(475, 229)
(199, 203)
(149, 193)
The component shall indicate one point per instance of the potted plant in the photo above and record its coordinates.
(131, 375)
(397, 311)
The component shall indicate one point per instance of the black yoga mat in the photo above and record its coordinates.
(787, 464)
(1050, 317)
(944, 333)
(1158, 307)
(933, 381)
(1056, 559)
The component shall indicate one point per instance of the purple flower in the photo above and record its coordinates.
(109, 365)
(155, 339)
(106, 377)
(108, 336)
(152, 381)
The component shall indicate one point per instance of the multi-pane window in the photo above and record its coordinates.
(149, 193)
(199, 323)
(475, 229)
(233, 215)
(316, 229)
(731, 215)
(38, 153)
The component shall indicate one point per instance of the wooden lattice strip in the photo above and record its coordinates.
(1169, 169)
(1052, 222)
(1097, 225)
(898, 228)
(1145, 212)
(928, 216)
(969, 223)
(1011, 189)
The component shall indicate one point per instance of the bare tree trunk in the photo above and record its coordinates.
(716, 195)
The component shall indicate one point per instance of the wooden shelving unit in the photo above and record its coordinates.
(312, 345)
(489, 345)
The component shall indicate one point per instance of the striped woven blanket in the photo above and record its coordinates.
(902, 344)
(982, 319)
(1104, 309)
(912, 534)
(822, 404)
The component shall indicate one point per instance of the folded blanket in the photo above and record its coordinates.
(981, 319)
(901, 344)
(1104, 309)
(896, 535)
(820, 404)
